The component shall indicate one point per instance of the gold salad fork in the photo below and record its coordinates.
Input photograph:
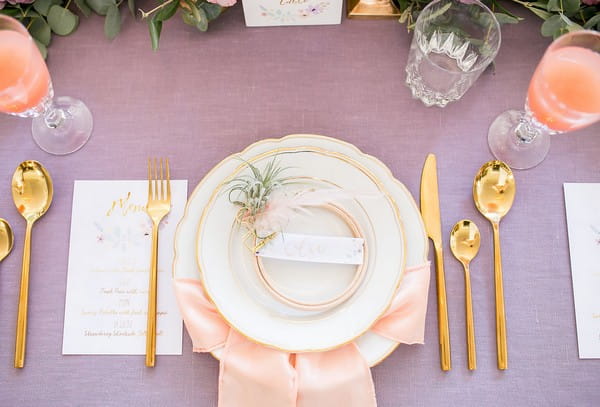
(159, 204)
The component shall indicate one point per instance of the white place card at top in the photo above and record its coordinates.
(259, 13)
(582, 202)
(109, 260)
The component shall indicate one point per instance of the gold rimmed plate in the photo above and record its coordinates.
(373, 347)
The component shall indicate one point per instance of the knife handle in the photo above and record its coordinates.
(445, 360)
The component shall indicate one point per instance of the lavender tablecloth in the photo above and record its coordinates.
(205, 96)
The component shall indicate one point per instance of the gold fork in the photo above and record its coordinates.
(159, 204)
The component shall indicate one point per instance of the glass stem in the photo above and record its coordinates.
(528, 129)
(53, 116)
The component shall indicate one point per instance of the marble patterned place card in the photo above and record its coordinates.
(260, 13)
(109, 262)
(582, 202)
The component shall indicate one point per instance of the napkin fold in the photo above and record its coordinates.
(253, 375)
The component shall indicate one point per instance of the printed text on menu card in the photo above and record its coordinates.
(109, 259)
(582, 203)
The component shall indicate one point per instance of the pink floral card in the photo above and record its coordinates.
(582, 203)
(109, 262)
(260, 13)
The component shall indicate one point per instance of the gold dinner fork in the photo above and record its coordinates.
(159, 204)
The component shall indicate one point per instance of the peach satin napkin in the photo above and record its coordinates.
(253, 375)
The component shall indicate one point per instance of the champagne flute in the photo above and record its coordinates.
(60, 126)
(563, 95)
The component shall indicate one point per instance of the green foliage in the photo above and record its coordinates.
(197, 13)
(61, 20)
(560, 16)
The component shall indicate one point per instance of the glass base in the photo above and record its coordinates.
(506, 145)
(65, 127)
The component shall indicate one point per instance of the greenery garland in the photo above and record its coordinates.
(46, 17)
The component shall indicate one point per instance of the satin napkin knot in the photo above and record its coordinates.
(253, 375)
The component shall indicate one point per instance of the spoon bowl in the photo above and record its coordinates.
(494, 190)
(6, 239)
(32, 194)
(32, 190)
(464, 241)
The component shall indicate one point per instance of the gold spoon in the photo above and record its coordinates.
(6, 239)
(464, 243)
(32, 195)
(494, 193)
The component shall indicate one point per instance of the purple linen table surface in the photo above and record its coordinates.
(205, 96)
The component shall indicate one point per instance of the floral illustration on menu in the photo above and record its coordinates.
(290, 16)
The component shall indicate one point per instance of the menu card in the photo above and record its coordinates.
(582, 202)
(108, 274)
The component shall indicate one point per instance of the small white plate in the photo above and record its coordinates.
(273, 323)
(373, 347)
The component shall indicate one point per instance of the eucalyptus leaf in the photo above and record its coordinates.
(13, 12)
(203, 21)
(155, 27)
(40, 30)
(188, 18)
(61, 20)
(594, 21)
(554, 5)
(571, 6)
(506, 19)
(101, 6)
(212, 10)
(83, 7)
(537, 4)
(43, 49)
(543, 14)
(167, 12)
(131, 5)
(43, 6)
(112, 22)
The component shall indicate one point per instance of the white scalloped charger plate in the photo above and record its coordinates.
(373, 347)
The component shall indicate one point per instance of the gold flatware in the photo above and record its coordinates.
(159, 204)
(464, 243)
(430, 211)
(6, 239)
(494, 193)
(32, 194)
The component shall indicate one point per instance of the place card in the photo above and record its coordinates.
(318, 249)
(582, 202)
(260, 13)
(108, 272)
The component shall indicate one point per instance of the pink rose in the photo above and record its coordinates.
(223, 3)
(591, 2)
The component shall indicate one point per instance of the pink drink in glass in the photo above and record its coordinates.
(564, 93)
(25, 80)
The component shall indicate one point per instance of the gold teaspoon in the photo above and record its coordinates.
(494, 193)
(32, 194)
(464, 243)
(6, 239)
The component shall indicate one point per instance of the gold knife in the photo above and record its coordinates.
(430, 211)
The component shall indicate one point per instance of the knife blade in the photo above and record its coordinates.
(430, 211)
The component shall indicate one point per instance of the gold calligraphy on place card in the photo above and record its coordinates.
(290, 2)
(109, 261)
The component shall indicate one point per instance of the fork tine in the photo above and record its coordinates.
(155, 178)
(149, 179)
(168, 182)
(162, 181)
